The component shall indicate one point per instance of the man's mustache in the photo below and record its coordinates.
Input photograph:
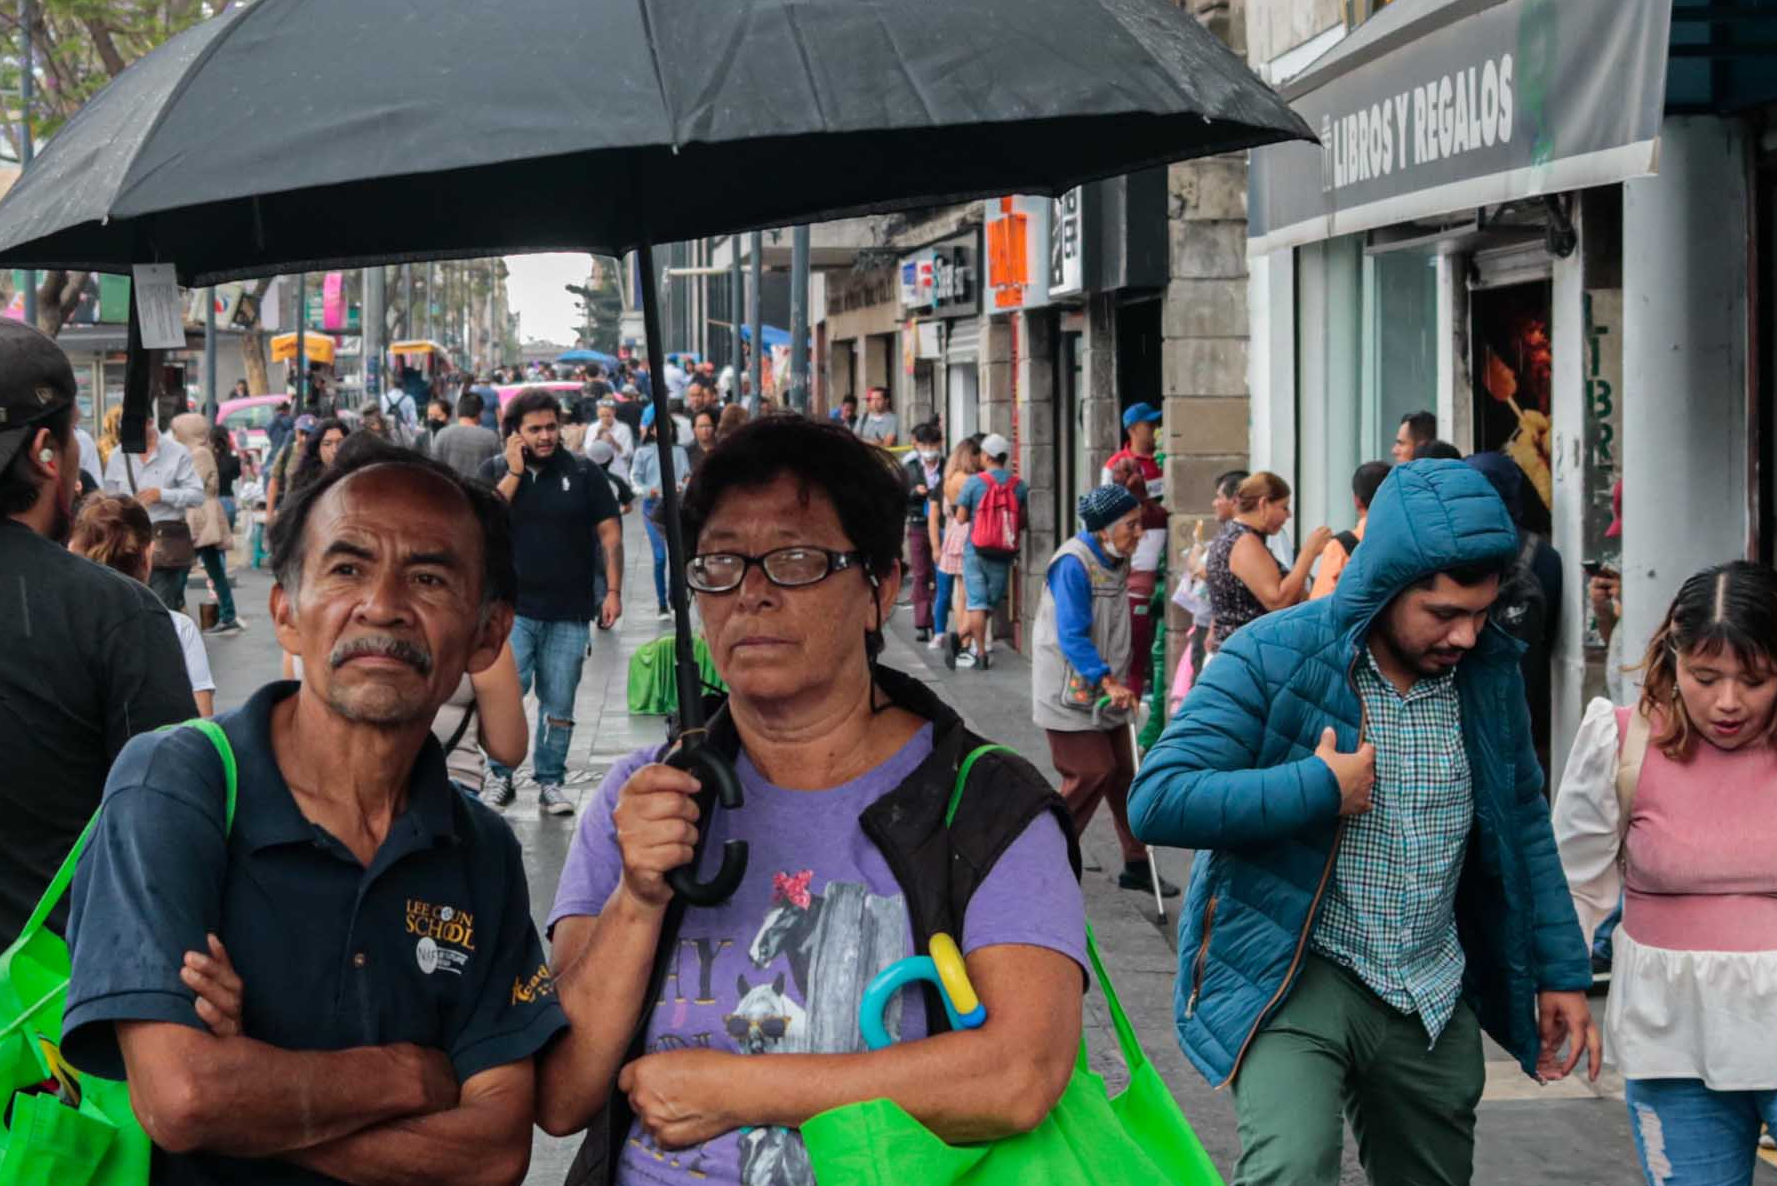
(385, 646)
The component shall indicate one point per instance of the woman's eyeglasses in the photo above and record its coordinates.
(788, 568)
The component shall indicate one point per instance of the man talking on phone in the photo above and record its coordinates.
(1377, 883)
(563, 517)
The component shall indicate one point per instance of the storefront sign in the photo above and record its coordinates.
(1451, 105)
(333, 301)
(941, 278)
(1067, 244)
(1017, 232)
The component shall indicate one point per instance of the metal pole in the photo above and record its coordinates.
(375, 300)
(407, 300)
(689, 678)
(754, 318)
(210, 408)
(737, 301)
(302, 342)
(798, 377)
(431, 300)
(27, 92)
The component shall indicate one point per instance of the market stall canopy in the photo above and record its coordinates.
(576, 357)
(399, 142)
(1450, 105)
(319, 348)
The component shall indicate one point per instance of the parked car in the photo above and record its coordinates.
(247, 419)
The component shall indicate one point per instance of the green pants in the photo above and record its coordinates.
(1335, 1052)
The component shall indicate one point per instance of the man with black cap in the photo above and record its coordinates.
(91, 657)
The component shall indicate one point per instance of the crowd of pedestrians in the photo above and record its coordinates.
(1355, 750)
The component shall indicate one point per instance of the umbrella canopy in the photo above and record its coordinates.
(598, 356)
(318, 347)
(287, 135)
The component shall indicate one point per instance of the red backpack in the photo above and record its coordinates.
(997, 518)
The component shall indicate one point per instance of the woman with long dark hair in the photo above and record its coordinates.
(323, 447)
(1671, 808)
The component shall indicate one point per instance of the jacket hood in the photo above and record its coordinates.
(1427, 517)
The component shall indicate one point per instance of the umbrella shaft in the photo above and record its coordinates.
(689, 676)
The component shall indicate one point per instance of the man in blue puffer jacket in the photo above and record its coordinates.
(1378, 881)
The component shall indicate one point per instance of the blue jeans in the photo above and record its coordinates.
(1601, 938)
(657, 543)
(1688, 1135)
(553, 653)
(941, 607)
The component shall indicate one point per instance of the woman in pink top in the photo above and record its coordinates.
(1690, 844)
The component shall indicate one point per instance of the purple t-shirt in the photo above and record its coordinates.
(779, 967)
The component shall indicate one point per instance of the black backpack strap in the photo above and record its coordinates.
(1349, 541)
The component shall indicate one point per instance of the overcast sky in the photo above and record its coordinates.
(534, 284)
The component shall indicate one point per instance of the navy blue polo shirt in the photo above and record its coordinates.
(433, 944)
(556, 512)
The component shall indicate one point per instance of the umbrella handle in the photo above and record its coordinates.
(716, 774)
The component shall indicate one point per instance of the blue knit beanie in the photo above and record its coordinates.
(1104, 506)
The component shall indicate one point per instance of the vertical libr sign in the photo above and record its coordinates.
(1017, 233)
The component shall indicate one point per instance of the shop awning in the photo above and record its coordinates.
(1435, 106)
(319, 348)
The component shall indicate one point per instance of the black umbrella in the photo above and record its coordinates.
(295, 135)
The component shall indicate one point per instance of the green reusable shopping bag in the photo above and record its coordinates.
(653, 688)
(1140, 1138)
(45, 1140)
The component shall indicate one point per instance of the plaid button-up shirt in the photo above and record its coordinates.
(1390, 912)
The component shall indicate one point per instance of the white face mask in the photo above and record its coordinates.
(1111, 549)
(929, 456)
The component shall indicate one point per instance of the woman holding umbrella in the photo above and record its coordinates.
(794, 529)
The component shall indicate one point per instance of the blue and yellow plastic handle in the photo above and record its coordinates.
(944, 968)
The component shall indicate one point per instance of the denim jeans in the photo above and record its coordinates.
(553, 653)
(1601, 938)
(216, 568)
(657, 543)
(1689, 1135)
(941, 607)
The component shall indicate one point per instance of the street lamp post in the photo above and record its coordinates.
(302, 342)
(737, 301)
(798, 377)
(210, 408)
(27, 92)
(756, 317)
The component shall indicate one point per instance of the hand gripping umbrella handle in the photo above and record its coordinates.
(716, 773)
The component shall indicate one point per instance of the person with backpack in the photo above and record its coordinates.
(1666, 807)
(1529, 605)
(1378, 882)
(993, 505)
(848, 771)
(1364, 484)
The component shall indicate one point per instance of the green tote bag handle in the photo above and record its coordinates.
(43, 1138)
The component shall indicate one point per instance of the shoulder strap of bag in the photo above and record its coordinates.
(1348, 540)
(962, 776)
(1629, 761)
(456, 738)
(1132, 1051)
(58, 885)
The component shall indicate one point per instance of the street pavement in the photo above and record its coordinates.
(1569, 1132)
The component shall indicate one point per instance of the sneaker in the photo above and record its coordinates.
(498, 792)
(938, 642)
(923, 634)
(964, 659)
(1135, 877)
(552, 801)
(663, 614)
(225, 628)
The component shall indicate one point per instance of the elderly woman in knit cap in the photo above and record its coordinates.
(1080, 664)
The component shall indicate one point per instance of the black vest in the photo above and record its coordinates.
(938, 868)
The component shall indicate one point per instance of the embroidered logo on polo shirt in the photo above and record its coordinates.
(540, 985)
(565, 484)
(447, 936)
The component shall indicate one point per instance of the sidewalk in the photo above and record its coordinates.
(1563, 1133)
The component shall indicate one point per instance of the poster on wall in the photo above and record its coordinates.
(1513, 367)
